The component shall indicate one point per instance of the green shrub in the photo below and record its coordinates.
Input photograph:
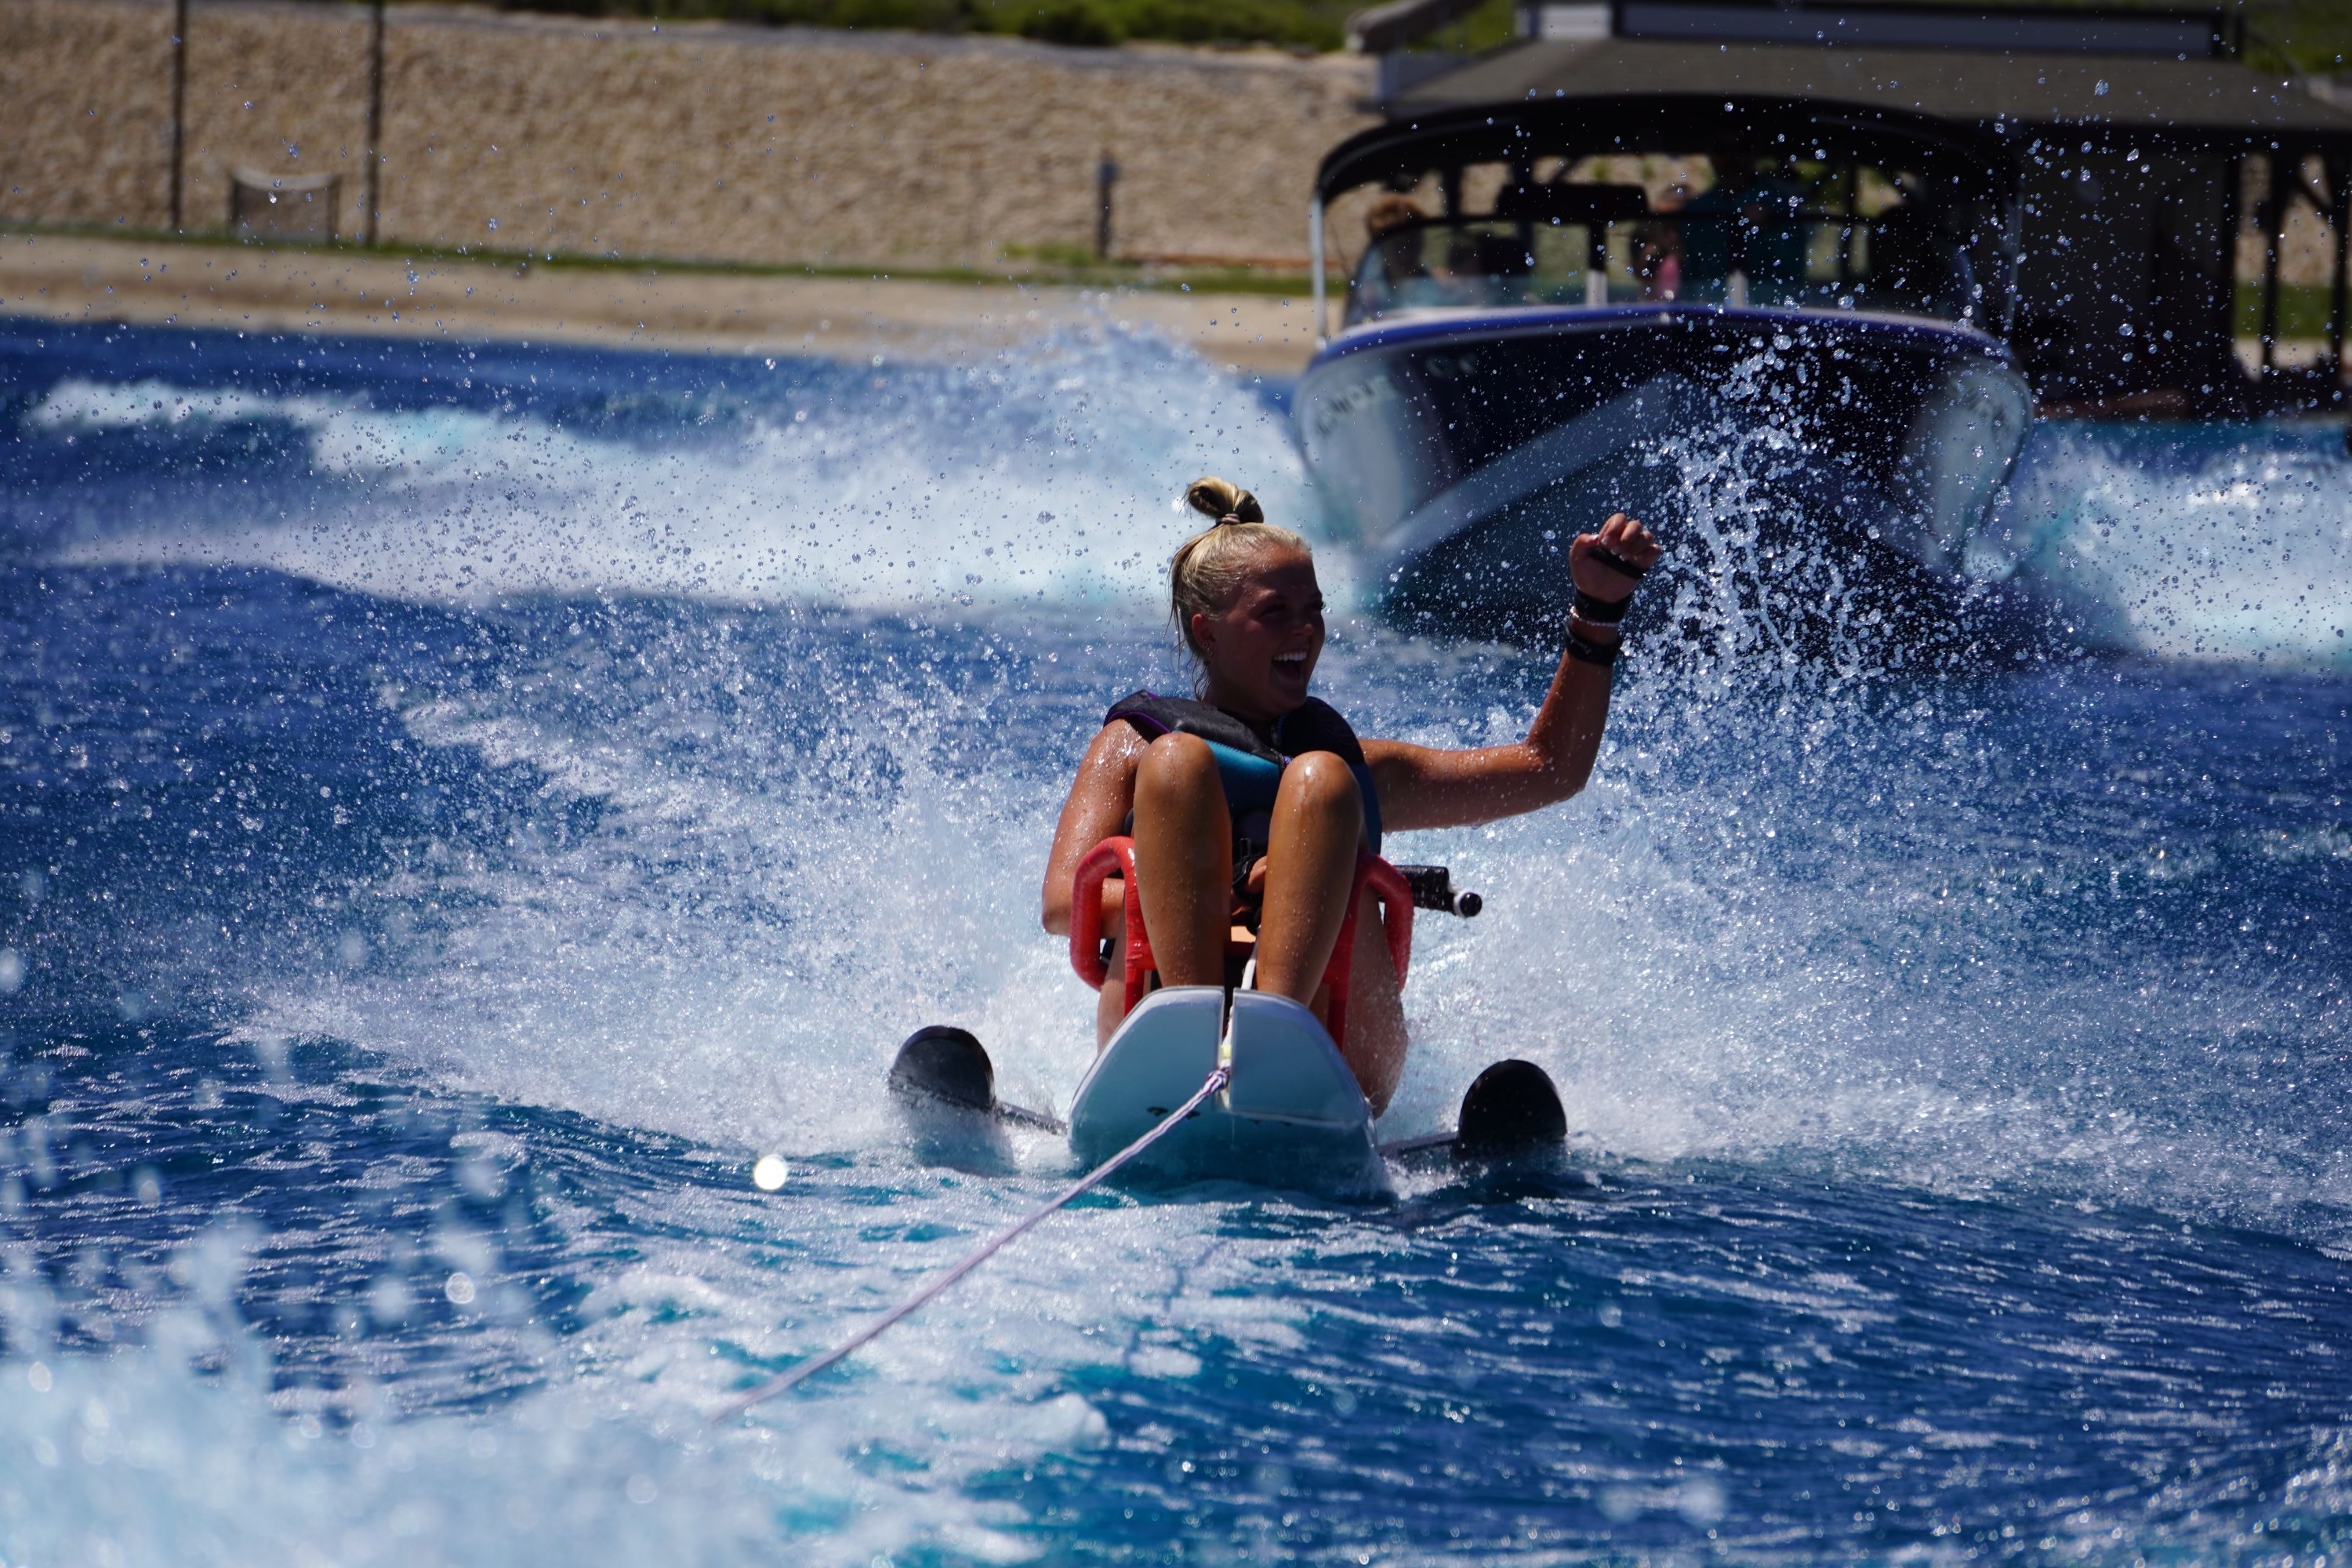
(1237, 21)
(919, 15)
(1308, 24)
(1084, 22)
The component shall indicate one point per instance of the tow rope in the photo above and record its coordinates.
(1216, 1081)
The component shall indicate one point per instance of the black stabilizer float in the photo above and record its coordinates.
(1511, 1113)
(1511, 1110)
(948, 1064)
(942, 1063)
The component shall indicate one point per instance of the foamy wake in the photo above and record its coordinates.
(1043, 476)
(2223, 543)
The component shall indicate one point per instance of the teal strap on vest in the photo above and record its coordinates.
(1249, 784)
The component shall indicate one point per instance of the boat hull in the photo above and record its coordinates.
(1463, 450)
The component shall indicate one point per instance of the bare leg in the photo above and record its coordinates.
(1375, 1046)
(1310, 865)
(1110, 1006)
(1184, 859)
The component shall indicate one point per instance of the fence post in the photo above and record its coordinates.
(1105, 176)
(2339, 217)
(2274, 238)
(179, 103)
(375, 118)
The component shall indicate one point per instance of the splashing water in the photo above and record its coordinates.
(2227, 543)
(458, 824)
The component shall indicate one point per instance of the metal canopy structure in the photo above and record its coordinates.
(2143, 174)
(2179, 104)
(1660, 121)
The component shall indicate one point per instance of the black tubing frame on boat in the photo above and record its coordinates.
(1654, 122)
(1972, 164)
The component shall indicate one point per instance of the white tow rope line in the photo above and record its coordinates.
(1216, 1081)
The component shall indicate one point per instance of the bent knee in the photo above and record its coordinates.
(1177, 762)
(1321, 781)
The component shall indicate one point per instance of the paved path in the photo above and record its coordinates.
(249, 288)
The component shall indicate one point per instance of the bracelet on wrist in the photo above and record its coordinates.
(1585, 650)
(1600, 612)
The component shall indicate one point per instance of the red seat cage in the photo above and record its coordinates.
(1115, 857)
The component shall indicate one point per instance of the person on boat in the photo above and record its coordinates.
(1746, 222)
(1394, 274)
(1219, 840)
(1657, 262)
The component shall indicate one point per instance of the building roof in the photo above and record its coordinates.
(2166, 101)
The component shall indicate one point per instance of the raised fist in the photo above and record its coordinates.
(1621, 537)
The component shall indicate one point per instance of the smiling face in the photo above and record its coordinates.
(1260, 649)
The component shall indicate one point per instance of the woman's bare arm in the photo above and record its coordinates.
(1422, 786)
(1101, 798)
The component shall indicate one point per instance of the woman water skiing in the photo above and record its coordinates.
(1216, 839)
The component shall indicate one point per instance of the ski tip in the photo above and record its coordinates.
(1510, 1108)
(939, 1061)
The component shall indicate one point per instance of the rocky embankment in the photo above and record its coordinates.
(683, 140)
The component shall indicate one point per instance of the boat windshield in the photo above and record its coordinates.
(1736, 231)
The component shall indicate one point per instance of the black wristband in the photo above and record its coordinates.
(1585, 651)
(1616, 563)
(1601, 611)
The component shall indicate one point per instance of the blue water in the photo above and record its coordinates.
(459, 807)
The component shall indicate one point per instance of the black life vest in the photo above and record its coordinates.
(1250, 765)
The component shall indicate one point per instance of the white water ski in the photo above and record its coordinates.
(1292, 1117)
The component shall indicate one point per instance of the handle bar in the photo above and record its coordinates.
(1432, 889)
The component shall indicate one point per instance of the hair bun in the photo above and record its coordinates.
(1223, 499)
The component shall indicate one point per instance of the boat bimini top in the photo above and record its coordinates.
(1741, 201)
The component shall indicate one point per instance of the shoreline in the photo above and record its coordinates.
(217, 284)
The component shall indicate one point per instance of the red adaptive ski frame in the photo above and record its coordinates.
(1116, 857)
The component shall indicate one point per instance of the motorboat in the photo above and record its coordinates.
(1768, 318)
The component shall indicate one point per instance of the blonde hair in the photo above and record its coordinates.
(1209, 568)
